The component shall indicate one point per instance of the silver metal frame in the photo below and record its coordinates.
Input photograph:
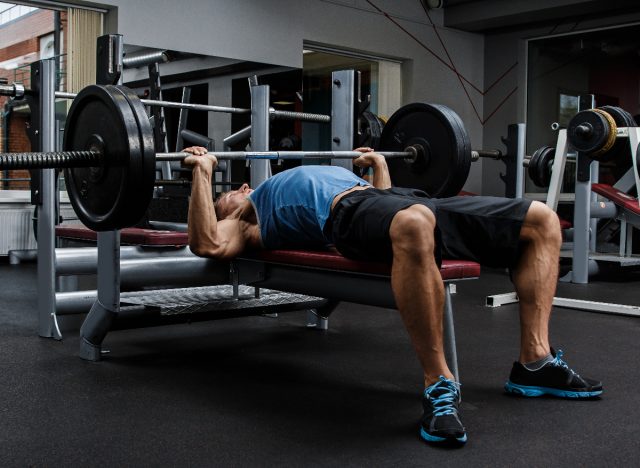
(260, 170)
(343, 100)
(44, 73)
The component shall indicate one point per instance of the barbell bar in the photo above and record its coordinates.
(109, 154)
(273, 113)
(93, 158)
(16, 90)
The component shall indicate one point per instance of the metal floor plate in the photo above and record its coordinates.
(210, 298)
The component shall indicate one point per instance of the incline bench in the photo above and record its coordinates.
(628, 213)
(325, 274)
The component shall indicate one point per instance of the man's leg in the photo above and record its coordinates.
(539, 371)
(418, 288)
(535, 278)
(419, 293)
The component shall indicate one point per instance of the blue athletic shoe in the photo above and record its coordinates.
(554, 378)
(441, 423)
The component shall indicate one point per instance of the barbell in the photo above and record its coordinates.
(110, 161)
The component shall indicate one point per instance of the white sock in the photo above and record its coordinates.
(539, 364)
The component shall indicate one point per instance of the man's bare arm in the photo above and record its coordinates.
(381, 177)
(209, 237)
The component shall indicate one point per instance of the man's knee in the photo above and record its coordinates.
(412, 231)
(542, 224)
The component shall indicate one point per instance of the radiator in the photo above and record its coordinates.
(16, 229)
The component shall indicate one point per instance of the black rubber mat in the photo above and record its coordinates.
(260, 391)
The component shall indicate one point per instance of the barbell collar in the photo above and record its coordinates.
(14, 90)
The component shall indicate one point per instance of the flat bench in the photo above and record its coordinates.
(324, 274)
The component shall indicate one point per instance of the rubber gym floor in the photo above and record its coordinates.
(268, 392)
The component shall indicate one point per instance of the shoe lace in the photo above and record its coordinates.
(444, 403)
(557, 361)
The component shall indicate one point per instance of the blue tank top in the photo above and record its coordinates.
(293, 206)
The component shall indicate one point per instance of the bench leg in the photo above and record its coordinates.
(93, 331)
(316, 321)
(319, 318)
(449, 334)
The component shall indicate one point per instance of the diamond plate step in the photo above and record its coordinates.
(217, 298)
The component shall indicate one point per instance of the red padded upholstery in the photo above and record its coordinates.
(133, 236)
(564, 224)
(622, 199)
(451, 269)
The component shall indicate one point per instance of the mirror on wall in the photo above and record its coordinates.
(603, 63)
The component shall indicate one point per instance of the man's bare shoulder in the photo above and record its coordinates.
(246, 217)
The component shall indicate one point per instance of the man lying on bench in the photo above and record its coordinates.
(309, 207)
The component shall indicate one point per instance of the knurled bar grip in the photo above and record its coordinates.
(50, 160)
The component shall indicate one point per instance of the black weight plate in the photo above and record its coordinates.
(621, 149)
(540, 166)
(369, 130)
(595, 139)
(440, 131)
(101, 116)
(145, 168)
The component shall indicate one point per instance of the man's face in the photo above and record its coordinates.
(231, 200)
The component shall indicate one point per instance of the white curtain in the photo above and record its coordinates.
(84, 27)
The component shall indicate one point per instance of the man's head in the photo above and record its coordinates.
(229, 202)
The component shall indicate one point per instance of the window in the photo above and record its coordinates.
(10, 12)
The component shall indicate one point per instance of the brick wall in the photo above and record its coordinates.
(18, 142)
(18, 38)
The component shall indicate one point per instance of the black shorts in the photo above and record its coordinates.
(482, 229)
